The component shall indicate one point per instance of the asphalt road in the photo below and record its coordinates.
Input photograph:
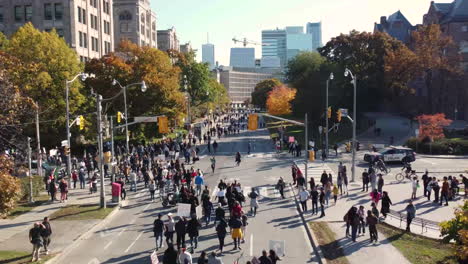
(128, 237)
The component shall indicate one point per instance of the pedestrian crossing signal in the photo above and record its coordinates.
(82, 121)
(252, 122)
(163, 126)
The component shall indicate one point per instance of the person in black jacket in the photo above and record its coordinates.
(192, 229)
(220, 214)
(158, 229)
(35, 239)
(46, 233)
(221, 232)
(180, 228)
(170, 255)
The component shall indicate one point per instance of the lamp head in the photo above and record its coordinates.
(114, 82)
(143, 86)
(346, 72)
(84, 76)
(331, 76)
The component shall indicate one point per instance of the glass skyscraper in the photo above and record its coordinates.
(208, 54)
(242, 57)
(315, 29)
(274, 46)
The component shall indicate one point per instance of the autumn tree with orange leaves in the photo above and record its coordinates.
(432, 126)
(279, 100)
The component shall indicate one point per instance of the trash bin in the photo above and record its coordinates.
(116, 189)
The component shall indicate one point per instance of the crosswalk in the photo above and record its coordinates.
(316, 171)
(263, 191)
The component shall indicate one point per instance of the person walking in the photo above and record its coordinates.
(253, 195)
(133, 177)
(362, 222)
(386, 202)
(180, 230)
(365, 181)
(74, 178)
(353, 219)
(324, 178)
(238, 158)
(264, 259)
(36, 241)
(185, 257)
(410, 214)
(339, 182)
(375, 196)
(213, 164)
(63, 187)
(426, 179)
(236, 233)
(380, 183)
(303, 197)
(152, 189)
(273, 257)
(372, 222)
(414, 187)
(158, 229)
(280, 185)
(314, 196)
(221, 233)
(374, 210)
(322, 202)
(445, 191)
(429, 186)
(170, 229)
(436, 189)
(46, 233)
(193, 227)
(245, 222)
(81, 176)
(199, 181)
(373, 180)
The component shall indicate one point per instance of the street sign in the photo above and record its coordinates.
(344, 112)
(278, 246)
(183, 210)
(146, 119)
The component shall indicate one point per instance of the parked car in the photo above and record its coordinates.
(392, 154)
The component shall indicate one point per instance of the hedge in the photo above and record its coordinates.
(446, 146)
(38, 186)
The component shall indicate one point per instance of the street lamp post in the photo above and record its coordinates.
(326, 114)
(124, 90)
(353, 166)
(188, 98)
(83, 77)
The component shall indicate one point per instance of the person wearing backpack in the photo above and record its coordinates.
(46, 233)
(36, 241)
(221, 233)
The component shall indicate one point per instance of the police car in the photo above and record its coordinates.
(392, 154)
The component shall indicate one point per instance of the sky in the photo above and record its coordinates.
(225, 19)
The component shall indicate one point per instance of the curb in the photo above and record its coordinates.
(87, 234)
(310, 234)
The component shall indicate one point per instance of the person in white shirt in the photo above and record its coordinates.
(133, 176)
(303, 197)
(185, 257)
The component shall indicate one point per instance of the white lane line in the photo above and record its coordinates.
(108, 244)
(426, 161)
(133, 243)
(121, 231)
(146, 207)
(251, 245)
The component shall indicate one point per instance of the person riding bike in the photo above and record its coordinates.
(381, 164)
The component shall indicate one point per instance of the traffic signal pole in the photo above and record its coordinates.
(306, 147)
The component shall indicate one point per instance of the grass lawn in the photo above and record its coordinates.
(24, 207)
(80, 212)
(328, 243)
(418, 249)
(20, 257)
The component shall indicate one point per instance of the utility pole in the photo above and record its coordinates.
(38, 139)
(127, 137)
(112, 147)
(31, 199)
(68, 133)
(100, 147)
(326, 115)
(306, 148)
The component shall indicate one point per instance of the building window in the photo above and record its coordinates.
(1, 14)
(142, 29)
(107, 47)
(80, 38)
(93, 3)
(79, 14)
(153, 26)
(154, 36)
(142, 18)
(124, 27)
(85, 40)
(94, 21)
(48, 11)
(106, 6)
(125, 15)
(148, 33)
(84, 16)
(58, 11)
(28, 13)
(59, 32)
(19, 12)
(464, 46)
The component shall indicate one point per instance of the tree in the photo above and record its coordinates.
(260, 93)
(15, 108)
(133, 64)
(3, 41)
(279, 100)
(45, 63)
(10, 187)
(401, 66)
(436, 53)
(432, 126)
(456, 230)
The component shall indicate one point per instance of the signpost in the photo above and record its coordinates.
(183, 210)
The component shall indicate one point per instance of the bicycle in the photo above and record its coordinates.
(381, 169)
(401, 176)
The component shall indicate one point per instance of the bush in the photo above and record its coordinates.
(445, 146)
(38, 186)
(456, 230)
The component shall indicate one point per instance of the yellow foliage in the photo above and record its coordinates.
(279, 100)
(10, 188)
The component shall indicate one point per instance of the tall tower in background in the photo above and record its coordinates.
(315, 29)
(208, 54)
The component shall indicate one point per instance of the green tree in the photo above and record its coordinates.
(260, 93)
(46, 62)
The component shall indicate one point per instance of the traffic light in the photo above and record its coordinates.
(163, 127)
(82, 121)
(338, 115)
(119, 117)
(311, 155)
(252, 122)
(329, 112)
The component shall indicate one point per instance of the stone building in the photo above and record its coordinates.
(167, 40)
(396, 26)
(85, 25)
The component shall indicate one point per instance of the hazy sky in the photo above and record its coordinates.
(224, 19)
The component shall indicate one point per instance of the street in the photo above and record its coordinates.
(128, 237)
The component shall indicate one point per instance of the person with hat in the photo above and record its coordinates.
(170, 229)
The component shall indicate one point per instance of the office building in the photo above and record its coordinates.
(297, 41)
(186, 48)
(242, 57)
(396, 26)
(85, 25)
(134, 20)
(270, 62)
(315, 29)
(167, 40)
(240, 82)
(274, 47)
(208, 55)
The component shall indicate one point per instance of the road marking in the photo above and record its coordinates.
(121, 231)
(108, 244)
(146, 207)
(133, 243)
(251, 245)
(133, 221)
(426, 161)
